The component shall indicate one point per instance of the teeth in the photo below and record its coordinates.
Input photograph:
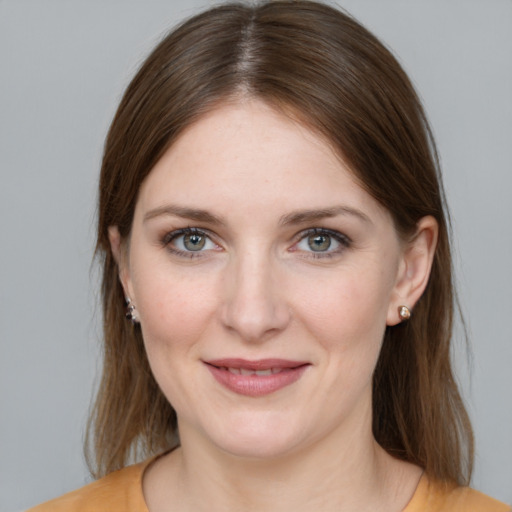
(247, 371)
(264, 372)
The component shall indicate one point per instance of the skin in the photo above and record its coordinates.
(256, 290)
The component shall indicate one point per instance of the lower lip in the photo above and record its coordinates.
(257, 385)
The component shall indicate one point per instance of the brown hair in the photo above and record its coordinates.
(320, 65)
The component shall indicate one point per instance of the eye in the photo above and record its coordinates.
(320, 242)
(186, 242)
(192, 242)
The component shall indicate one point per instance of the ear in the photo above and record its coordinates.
(414, 269)
(119, 252)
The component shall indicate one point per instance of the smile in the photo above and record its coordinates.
(247, 371)
(256, 378)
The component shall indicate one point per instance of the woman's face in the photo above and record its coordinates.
(263, 277)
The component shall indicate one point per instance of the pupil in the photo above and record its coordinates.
(319, 242)
(194, 242)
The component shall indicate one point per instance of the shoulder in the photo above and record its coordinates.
(120, 490)
(469, 500)
(435, 496)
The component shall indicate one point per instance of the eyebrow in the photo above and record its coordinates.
(297, 217)
(302, 216)
(185, 213)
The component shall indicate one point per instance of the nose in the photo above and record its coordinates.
(254, 305)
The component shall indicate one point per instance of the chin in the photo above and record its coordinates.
(257, 448)
(266, 436)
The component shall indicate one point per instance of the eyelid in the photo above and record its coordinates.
(170, 236)
(189, 230)
(342, 239)
(339, 237)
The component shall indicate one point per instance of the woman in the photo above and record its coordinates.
(277, 285)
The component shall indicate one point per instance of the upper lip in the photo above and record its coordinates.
(260, 364)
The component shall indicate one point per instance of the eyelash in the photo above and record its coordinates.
(342, 239)
(173, 235)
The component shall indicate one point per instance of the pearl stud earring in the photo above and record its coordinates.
(130, 311)
(404, 313)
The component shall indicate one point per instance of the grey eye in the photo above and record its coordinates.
(194, 242)
(319, 243)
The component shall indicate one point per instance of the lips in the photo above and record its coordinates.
(256, 378)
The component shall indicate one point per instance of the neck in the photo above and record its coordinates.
(306, 480)
(340, 472)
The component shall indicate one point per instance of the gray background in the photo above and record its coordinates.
(63, 66)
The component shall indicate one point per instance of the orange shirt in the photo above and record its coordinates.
(121, 491)
(439, 497)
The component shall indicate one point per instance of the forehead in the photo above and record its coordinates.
(251, 156)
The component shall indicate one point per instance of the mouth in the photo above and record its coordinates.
(256, 378)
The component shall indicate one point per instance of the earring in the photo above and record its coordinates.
(130, 311)
(404, 313)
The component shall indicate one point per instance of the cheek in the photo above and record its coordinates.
(346, 309)
(346, 315)
(175, 313)
(174, 306)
